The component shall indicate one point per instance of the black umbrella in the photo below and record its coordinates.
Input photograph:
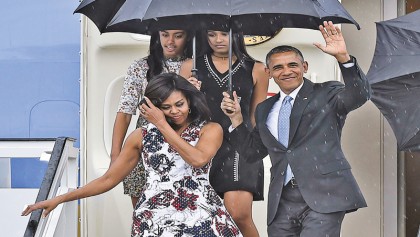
(262, 17)
(394, 76)
(103, 12)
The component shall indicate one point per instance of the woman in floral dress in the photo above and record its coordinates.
(167, 50)
(177, 146)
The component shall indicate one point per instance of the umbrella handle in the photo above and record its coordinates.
(230, 92)
(194, 72)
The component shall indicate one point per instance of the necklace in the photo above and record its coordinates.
(173, 64)
(223, 78)
(223, 58)
(175, 59)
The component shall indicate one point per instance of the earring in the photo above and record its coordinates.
(189, 110)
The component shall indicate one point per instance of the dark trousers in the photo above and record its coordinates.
(294, 218)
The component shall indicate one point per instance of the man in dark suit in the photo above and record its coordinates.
(311, 186)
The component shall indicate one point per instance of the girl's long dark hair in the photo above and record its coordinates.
(155, 57)
(161, 87)
(238, 46)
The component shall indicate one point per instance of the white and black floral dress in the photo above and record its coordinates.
(135, 83)
(178, 199)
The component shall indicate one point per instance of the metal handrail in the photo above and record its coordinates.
(55, 176)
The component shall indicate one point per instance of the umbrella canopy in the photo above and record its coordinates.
(394, 76)
(263, 17)
(99, 12)
(103, 12)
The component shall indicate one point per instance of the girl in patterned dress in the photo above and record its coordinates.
(167, 50)
(177, 147)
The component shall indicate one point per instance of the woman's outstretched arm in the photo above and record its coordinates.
(126, 161)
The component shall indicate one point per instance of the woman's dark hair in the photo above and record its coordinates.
(161, 87)
(238, 46)
(155, 57)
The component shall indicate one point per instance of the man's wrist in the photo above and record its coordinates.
(350, 63)
(236, 122)
(346, 58)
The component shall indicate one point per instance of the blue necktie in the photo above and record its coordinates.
(283, 130)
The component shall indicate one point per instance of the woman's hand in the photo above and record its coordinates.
(151, 113)
(47, 205)
(233, 107)
(196, 83)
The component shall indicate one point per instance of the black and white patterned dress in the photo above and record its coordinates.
(134, 86)
(178, 199)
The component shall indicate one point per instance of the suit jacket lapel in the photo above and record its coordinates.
(266, 107)
(301, 101)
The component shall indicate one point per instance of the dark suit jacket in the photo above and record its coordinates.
(314, 153)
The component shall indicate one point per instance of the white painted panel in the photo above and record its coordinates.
(5, 173)
(112, 98)
(24, 149)
(11, 206)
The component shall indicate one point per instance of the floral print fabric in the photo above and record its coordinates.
(178, 199)
(134, 86)
(135, 82)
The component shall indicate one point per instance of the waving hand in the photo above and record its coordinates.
(334, 42)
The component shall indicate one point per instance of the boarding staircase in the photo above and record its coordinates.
(61, 176)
